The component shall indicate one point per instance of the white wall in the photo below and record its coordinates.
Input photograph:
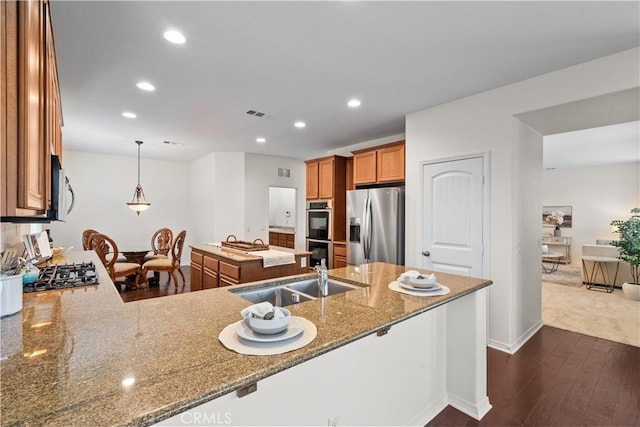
(282, 207)
(261, 173)
(229, 196)
(229, 193)
(598, 195)
(103, 184)
(485, 122)
(202, 199)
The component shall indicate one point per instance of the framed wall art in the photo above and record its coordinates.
(561, 216)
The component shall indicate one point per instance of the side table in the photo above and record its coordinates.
(600, 265)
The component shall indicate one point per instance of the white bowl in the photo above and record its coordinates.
(271, 326)
(423, 282)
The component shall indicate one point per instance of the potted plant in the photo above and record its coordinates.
(629, 250)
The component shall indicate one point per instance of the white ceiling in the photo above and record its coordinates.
(303, 61)
(603, 145)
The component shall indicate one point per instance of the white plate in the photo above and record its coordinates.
(409, 286)
(295, 328)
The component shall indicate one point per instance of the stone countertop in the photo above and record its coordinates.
(83, 357)
(283, 230)
(239, 255)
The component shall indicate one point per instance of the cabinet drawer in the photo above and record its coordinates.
(210, 279)
(273, 238)
(339, 250)
(211, 263)
(225, 281)
(196, 258)
(339, 262)
(231, 271)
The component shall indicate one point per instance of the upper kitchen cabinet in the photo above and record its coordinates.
(380, 164)
(31, 114)
(326, 178)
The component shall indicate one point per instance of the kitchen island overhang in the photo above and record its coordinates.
(169, 347)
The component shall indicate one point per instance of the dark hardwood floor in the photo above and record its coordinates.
(558, 378)
(164, 288)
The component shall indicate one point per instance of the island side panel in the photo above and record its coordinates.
(467, 354)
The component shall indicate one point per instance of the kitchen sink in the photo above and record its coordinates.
(291, 293)
(278, 296)
(310, 287)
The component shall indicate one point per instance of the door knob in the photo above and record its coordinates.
(426, 253)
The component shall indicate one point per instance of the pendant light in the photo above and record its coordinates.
(138, 204)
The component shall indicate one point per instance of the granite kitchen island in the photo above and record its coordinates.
(84, 357)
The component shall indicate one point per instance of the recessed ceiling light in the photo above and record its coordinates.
(175, 37)
(300, 124)
(261, 140)
(129, 115)
(146, 86)
(353, 103)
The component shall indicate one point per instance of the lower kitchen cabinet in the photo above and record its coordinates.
(284, 240)
(229, 274)
(196, 271)
(213, 268)
(210, 272)
(339, 255)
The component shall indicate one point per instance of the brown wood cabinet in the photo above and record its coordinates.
(284, 240)
(196, 271)
(30, 115)
(209, 272)
(312, 180)
(339, 255)
(326, 177)
(349, 173)
(382, 164)
(329, 175)
(213, 268)
(204, 271)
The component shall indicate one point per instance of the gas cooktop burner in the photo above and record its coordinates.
(64, 276)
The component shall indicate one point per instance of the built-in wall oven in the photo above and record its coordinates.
(319, 220)
(319, 226)
(319, 249)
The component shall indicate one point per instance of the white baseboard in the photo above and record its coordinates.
(429, 413)
(476, 411)
(512, 348)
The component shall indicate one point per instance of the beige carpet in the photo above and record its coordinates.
(572, 307)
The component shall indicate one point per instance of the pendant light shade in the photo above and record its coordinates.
(139, 203)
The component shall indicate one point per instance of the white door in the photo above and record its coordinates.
(452, 199)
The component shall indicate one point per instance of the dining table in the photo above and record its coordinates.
(136, 256)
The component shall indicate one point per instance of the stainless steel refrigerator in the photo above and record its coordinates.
(375, 225)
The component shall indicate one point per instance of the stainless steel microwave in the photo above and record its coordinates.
(62, 198)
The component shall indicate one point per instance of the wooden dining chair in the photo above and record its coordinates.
(169, 265)
(86, 238)
(161, 243)
(107, 251)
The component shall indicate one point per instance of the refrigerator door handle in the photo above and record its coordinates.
(363, 235)
(367, 254)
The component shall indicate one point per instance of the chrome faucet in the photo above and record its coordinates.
(323, 278)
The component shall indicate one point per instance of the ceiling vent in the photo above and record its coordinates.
(256, 113)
